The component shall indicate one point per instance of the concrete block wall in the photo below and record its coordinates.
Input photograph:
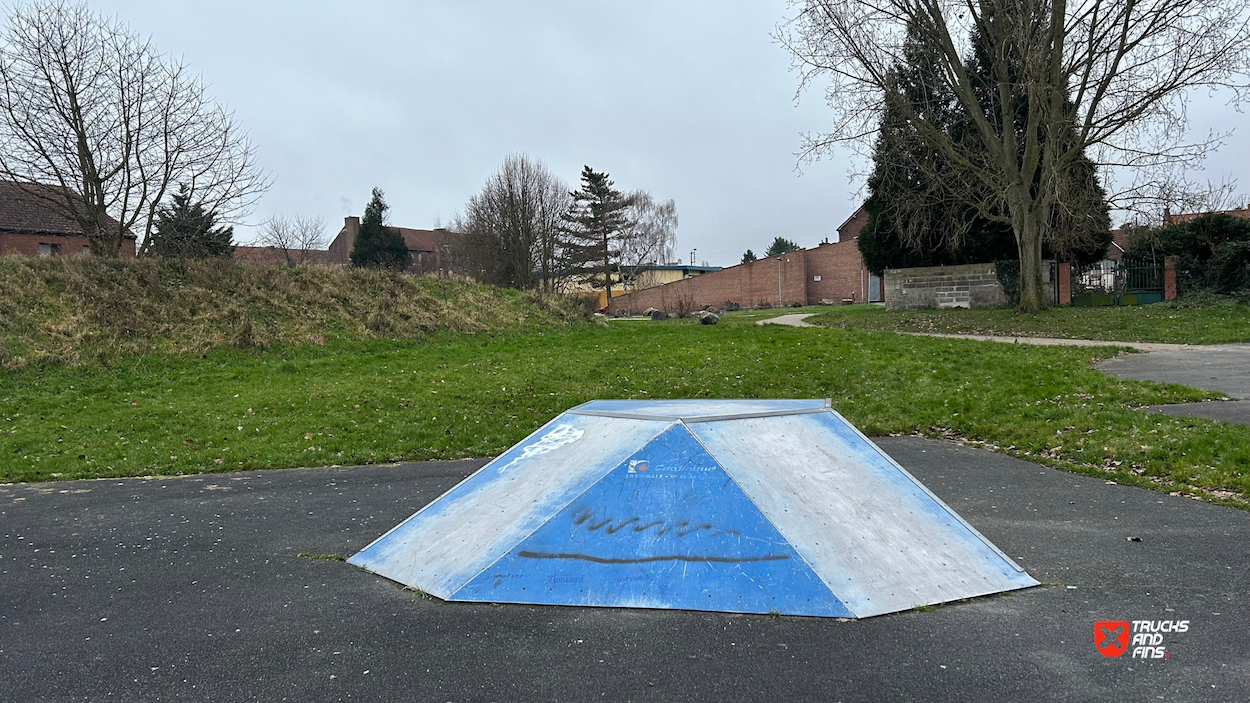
(966, 286)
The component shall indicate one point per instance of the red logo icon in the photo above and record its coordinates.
(1111, 637)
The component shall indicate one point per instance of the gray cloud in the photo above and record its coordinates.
(690, 101)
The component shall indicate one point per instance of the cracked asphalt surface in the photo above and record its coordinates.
(193, 589)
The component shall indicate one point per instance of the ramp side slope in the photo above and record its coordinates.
(737, 506)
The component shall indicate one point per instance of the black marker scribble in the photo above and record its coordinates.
(641, 560)
(682, 529)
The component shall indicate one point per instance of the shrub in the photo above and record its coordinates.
(1008, 272)
(1212, 252)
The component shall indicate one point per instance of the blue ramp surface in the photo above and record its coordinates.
(749, 506)
(668, 528)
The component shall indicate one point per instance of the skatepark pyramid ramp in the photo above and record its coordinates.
(749, 506)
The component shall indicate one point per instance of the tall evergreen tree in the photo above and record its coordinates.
(186, 230)
(592, 228)
(925, 210)
(748, 257)
(1079, 227)
(377, 245)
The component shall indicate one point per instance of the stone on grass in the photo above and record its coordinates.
(659, 315)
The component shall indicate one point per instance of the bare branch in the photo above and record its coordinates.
(91, 108)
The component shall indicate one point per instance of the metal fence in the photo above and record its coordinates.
(1113, 283)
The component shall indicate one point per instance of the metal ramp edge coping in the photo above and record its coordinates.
(581, 410)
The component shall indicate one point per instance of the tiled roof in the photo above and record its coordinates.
(1186, 217)
(423, 239)
(23, 210)
(1118, 245)
(276, 257)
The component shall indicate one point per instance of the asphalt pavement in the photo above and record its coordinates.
(1224, 368)
(193, 589)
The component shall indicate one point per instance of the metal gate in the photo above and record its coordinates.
(1115, 283)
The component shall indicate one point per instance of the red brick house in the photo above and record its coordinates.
(30, 225)
(1118, 246)
(831, 271)
(430, 248)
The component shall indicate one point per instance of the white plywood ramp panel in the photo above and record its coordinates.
(879, 539)
(451, 540)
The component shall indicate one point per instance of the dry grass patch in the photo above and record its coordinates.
(81, 310)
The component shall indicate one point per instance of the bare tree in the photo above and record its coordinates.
(93, 111)
(509, 233)
(649, 235)
(295, 237)
(1069, 78)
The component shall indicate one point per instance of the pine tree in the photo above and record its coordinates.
(921, 210)
(749, 256)
(377, 245)
(780, 246)
(592, 228)
(186, 230)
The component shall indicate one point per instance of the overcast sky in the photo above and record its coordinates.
(688, 100)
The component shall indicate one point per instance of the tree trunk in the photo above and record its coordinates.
(1028, 220)
(607, 273)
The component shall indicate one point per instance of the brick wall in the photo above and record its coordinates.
(838, 266)
(340, 250)
(970, 285)
(28, 244)
(841, 271)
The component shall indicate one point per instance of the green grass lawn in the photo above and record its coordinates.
(1218, 324)
(455, 396)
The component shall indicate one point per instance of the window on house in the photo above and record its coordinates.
(86, 250)
(45, 250)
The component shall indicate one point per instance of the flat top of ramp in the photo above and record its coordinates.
(699, 410)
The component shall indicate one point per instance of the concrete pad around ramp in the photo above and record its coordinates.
(192, 588)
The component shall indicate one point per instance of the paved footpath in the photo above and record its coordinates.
(191, 589)
(788, 320)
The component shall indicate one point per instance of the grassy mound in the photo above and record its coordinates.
(81, 310)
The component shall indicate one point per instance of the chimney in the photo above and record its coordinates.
(1167, 216)
(341, 247)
